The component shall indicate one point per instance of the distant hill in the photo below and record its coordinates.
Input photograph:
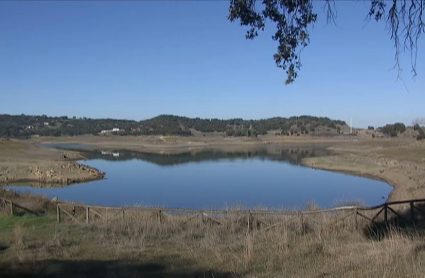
(24, 126)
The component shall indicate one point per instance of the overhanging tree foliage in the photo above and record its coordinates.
(404, 18)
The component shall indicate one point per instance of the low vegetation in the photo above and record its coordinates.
(393, 129)
(421, 135)
(39, 247)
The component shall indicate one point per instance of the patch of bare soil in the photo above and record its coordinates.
(24, 162)
(176, 144)
(400, 162)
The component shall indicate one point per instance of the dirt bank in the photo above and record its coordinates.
(47, 167)
(174, 144)
(399, 162)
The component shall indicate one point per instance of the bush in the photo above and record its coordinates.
(394, 129)
(230, 132)
(416, 127)
(421, 135)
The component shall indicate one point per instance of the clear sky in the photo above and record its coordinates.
(139, 59)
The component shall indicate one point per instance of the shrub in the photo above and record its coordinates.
(394, 129)
(230, 132)
(393, 133)
(421, 135)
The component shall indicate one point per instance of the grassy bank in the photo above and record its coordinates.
(32, 246)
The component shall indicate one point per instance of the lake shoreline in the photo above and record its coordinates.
(378, 159)
(402, 174)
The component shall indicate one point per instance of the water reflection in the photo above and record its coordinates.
(290, 155)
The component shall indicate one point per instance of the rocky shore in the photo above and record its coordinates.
(27, 163)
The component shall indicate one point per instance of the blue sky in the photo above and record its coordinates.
(138, 59)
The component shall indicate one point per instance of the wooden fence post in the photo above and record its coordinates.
(87, 214)
(11, 208)
(301, 221)
(58, 214)
(386, 213)
(123, 214)
(159, 216)
(355, 218)
(412, 212)
(249, 219)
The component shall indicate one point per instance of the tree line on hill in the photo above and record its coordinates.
(25, 126)
(240, 127)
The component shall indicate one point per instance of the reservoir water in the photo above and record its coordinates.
(270, 178)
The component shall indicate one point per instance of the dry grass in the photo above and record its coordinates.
(414, 154)
(37, 203)
(182, 245)
(11, 145)
(20, 234)
(321, 250)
